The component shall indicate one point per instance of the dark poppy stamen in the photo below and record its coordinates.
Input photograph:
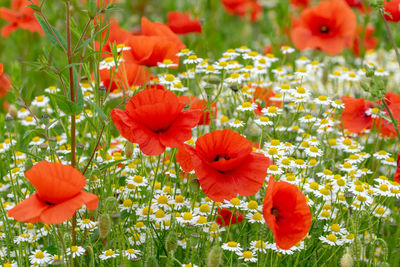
(221, 157)
(324, 29)
(275, 212)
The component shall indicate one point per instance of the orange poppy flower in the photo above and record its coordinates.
(181, 23)
(19, 16)
(286, 212)
(243, 7)
(59, 194)
(225, 217)
(393, 8)
(5, 84)
(226, 166)
(300, 3)
(386, 127)
(330, 26)
(195, 103)
(354, 115)
(127, 75)
(155, 119)
(159, 29)
(396, 176)
(150, 50)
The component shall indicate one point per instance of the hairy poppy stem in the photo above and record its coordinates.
(390, 35)
(73, 122)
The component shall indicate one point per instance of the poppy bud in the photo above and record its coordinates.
(104, 225)
(115, 217)
(8, 120)
(45, 118)
(43, 147)
(28, 164)
(52, 142)
(128, 150)
(171, 242)
(214, 257)
(347, 259)
(12, 110)
(213, 79)
(111, 203)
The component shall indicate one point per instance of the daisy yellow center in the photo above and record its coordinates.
(272, 109)
(29, 226)
(39, 98)
(273, 167)
(146, 211)
(324, 191)
(352, 75)
(74, 249)
(130, 251)
(179, 199)
(202, 220)
(260, 244)
(383, 187)
(332, 238)
(109, 59)
(235, 201)
(39, 255)
(252, 54)
(252, 205)
(246, 105)
(139, 224)
(380, 210)
(314, 149)
(232, 244)
(29, 118)
(204, 208)
(347, 142)
(187, 216)
(322, 98)
(162, 200)
(272, 151)
(340, 182)
(257, 216)
(335, 227)
(109, 252)
(234, 75)
(192, 57)
(138, 179)
(314, 185)
(325, 214)
(127, 203)
(160, 214)
(167, 61)
(301, 90)
(169, 78)
(247, 255)
(359, 188)
(86, 221)
(347, 165)
(382, 153)
(264, 119)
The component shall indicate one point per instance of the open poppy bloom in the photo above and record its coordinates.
(396, 177)
(19, 16)
(181, 23)
(159, 29)
(330, 26)
(59, 194)
(393, 8)
(226, 217)
(354, 116)
(127, 75)
(226, 166)
(386, 127)
(243, 7)
(155, 119)
(300, 3)
(195, 103)
(286, 212)
(150, 50)
(5, 84)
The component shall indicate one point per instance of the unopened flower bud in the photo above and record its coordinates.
(115, 217)
(104, 225)
(129, 150)
(13, 111)
(214, 257)
(171, 242)
(43, 147)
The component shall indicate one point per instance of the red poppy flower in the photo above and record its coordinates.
(386, 127)
(396, 177)
(265, 95)
(127, 75)
(19, 16)
(393, 8)
(354, 115)
(286, 212)
(181, 23)
(369, 42)
(357, 4)
(155, 119)
(59, 194)
(226, 166)
(195, 103)
(243, 7)
(226, 217)
(150, 50)
(300, 3)
(330, 26)
(159, 29)
(5, 84)
(184, 159)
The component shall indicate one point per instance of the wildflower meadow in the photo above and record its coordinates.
(199, 133)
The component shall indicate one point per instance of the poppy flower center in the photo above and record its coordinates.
(324, 29)
(275, 212)
(222, 157)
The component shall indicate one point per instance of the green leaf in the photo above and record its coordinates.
(92, 37)
(48, 31)
(102, 116)
(64, 104)
(79, 100)
(35, 7)
(92, 9)
(27, 133)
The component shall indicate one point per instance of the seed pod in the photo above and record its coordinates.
(129, 150)
(13, 111)
(104, 225)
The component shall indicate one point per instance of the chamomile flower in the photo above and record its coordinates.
(41, 101)
(167, 63)
(263, 121)
(39, 257)
(192, 59)
(287, 49)
(247, 106)
(236, 124)
(332, 240)
(271, 111)
(52, 89)
(87, 224)
(75, 251)
(232, 246)
(108, 254)
(247, 256)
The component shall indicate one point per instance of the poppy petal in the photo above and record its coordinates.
(28, 210)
